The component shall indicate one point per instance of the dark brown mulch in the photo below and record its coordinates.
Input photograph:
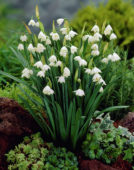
(122, 165)
(94, 165)
(128, 121)
(15, 123)
(98, 165)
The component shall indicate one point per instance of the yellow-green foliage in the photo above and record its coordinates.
(118, 13)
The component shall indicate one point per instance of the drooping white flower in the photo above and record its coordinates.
(77, 58)
(95, 53)
(97, 36)
(51, 33)
(79, 92)
(48, 41)
(116, 57)
(72, 33)
(55, 36)
(37, 24)
(101, 90)
(96, 77)
(20, 47)
(90, 39)
(108, 30)
(66, 72)
(31, 48)
(95, 29)
(88, 71)
(82, 62)
(52, 64)
(104, 60)
(42, 36)
(39, 64)
(63, 31)
(68, 37)
(60, 21)
(58, 64)
(61, 79)
(73, 49)
(102, 81)
(94, 47)
(95, 70)
(40, 48)
(85, 37)
(110, 57)
(63, 51)
(113, 57)
(23, 38)
(27, 73)
(52, 59)
(48, 91)
(41, 74)
(31, 23)
(113, 36)
(45, 67)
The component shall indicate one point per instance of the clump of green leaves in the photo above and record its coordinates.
(34, 154)
(105, 142)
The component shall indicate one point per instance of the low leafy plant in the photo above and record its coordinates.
(105, 142)
(34, 154)
(66, 78)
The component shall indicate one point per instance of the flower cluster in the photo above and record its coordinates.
(67, 73)
(94, 39)
(111, 57)
(65, 54)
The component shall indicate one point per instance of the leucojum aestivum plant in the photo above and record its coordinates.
(66, 80)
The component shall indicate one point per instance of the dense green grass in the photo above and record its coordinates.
(9, 34)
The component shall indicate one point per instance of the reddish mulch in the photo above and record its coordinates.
(15, 123)
(98, 165)
(94, 165)
(122, 165)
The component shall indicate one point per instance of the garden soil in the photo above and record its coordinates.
(15, 123)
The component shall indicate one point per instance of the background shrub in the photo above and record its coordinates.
(118, 13)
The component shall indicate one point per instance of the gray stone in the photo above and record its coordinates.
(49, 9)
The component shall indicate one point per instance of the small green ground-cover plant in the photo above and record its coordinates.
(34, 154)
(118, 13)
(105, 142)
(65, 77)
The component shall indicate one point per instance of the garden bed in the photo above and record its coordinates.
(16, 123)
